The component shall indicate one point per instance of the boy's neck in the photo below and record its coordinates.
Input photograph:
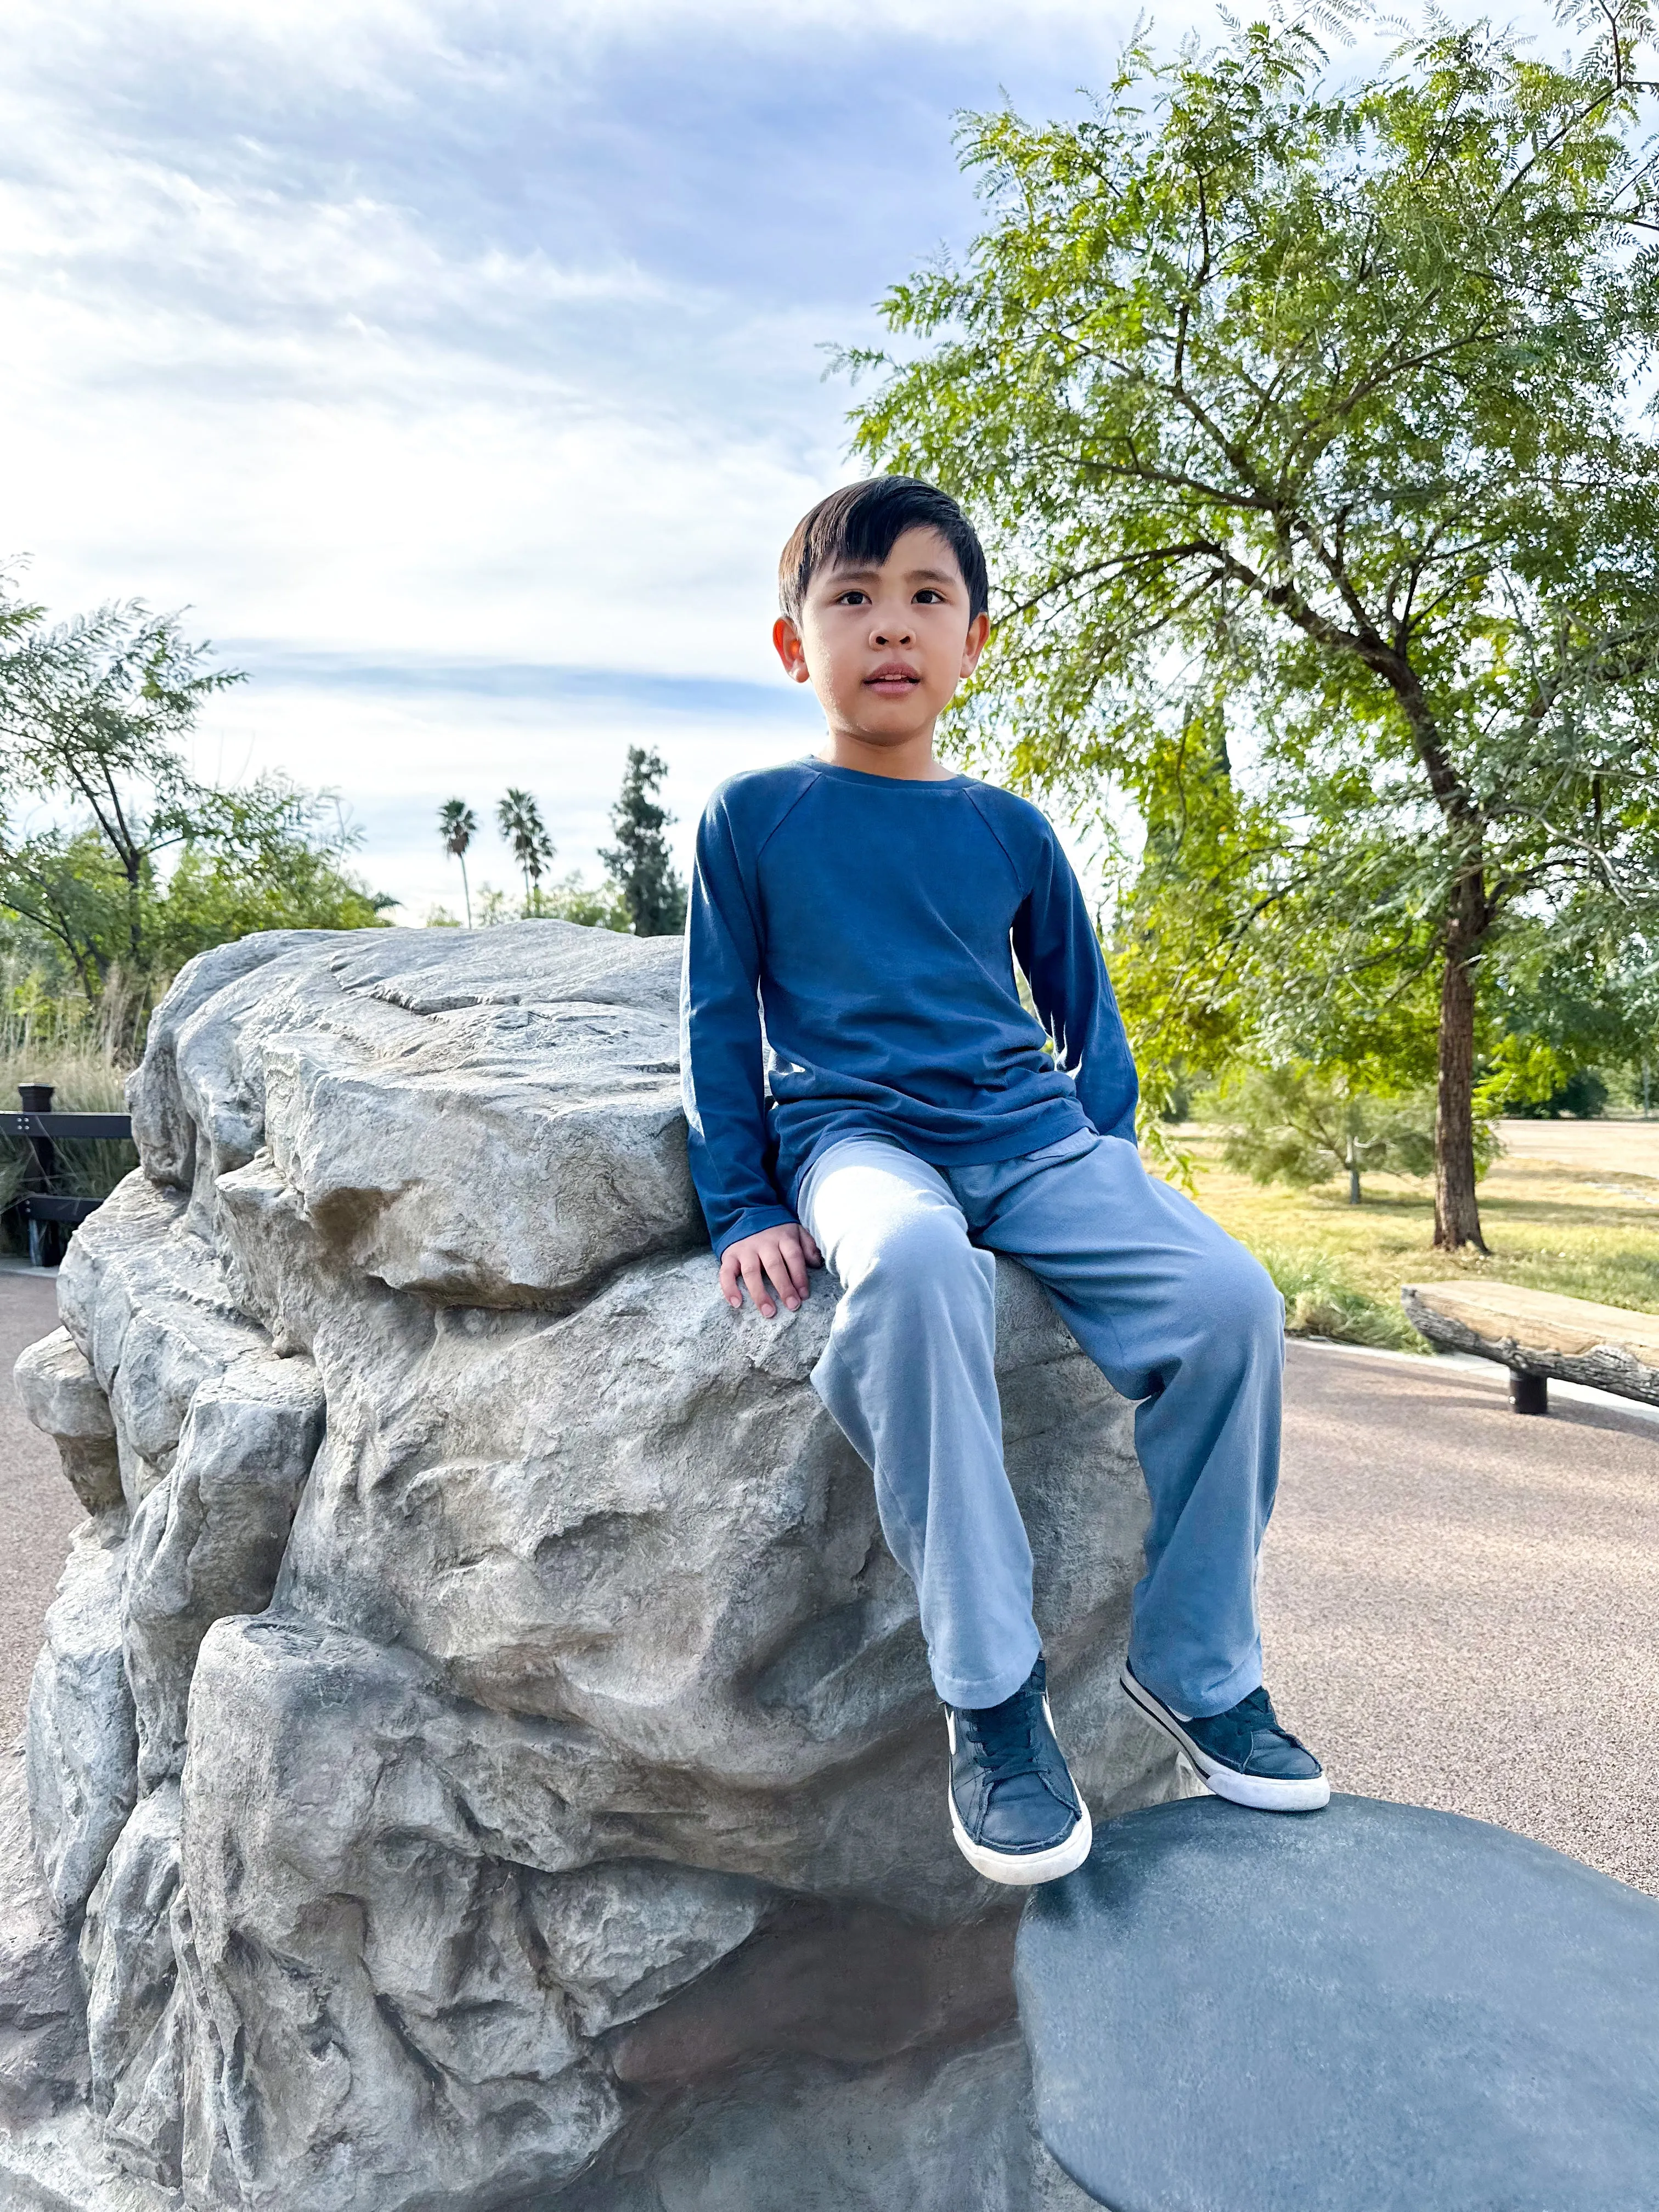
(908, 759)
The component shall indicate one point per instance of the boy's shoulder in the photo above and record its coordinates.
(1010, 815)
(756, 800)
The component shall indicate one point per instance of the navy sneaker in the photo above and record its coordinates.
(1015, 1811)
(1244, 1753)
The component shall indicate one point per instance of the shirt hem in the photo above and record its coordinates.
(1061, 1117)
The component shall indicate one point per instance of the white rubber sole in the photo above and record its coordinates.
(1260, 1792)
(1019, 1869)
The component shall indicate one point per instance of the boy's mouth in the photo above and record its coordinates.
(893, 680)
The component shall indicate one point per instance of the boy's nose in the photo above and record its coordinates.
(892, 636)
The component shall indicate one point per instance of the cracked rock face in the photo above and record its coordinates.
(484, 1754)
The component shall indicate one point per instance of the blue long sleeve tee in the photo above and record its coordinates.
(849, 970)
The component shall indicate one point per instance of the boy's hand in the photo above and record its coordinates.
(772, 1261)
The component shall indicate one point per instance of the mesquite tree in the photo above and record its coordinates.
(1329, 402)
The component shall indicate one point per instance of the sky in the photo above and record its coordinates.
(462, 369)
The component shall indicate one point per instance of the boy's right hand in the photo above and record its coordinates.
(773, 1260)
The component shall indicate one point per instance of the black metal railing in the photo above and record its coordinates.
(51, 1213)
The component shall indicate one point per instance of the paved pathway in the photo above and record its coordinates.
(1461, 1605)
(38, 1509)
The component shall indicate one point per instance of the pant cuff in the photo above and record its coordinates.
(1214, 1698)
(973, 1693)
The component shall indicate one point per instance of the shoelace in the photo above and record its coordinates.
(1009, 1748)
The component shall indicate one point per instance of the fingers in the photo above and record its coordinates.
(792, 1282)
(753, 1280)
(769, 1267)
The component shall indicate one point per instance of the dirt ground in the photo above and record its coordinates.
(1611, 1148)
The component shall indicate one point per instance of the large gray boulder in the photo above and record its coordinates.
(484, 1754)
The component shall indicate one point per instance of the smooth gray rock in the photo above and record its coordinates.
(560, 1815)
(83, 1754)
(1371, 2008)
(66, 1400)
(209, 1540)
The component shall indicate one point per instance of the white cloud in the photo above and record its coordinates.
(483, 331)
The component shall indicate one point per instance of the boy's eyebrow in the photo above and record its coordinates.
(857, 569)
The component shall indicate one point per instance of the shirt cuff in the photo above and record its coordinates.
(751, 1222)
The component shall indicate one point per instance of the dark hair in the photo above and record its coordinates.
(862, 523)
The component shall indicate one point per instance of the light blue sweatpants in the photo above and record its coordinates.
(1172, 1311)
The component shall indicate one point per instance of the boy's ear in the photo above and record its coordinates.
(978, 630)
(790, 650)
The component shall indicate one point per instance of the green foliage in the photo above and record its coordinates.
(94, 714)
(638, 863)
(1321, 1301)
(1535, 1080)
(595, 906)
(1302, 1127)
(46, 1039)
(1319, 408)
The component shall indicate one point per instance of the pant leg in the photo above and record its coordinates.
(909, 1375)
(1177, 1314)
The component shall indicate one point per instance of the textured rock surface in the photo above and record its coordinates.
(62, 1396)
(82, 1758)
(484, 1752)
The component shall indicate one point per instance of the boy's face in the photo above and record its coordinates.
(885, 647)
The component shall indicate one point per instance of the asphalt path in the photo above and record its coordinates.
(38, 1509)
(1459, 1604)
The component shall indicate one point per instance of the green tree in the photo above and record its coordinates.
(95, 711)
(595, 906)
(267, 855)
(1326, 402)
(1302, 1127)
(638, 863)
(521, 825)
(458, 824)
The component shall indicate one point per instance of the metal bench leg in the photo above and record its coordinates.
(1530, 1393)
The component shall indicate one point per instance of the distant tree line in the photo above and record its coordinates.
(642, 893)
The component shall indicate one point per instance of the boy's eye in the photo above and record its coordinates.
(852, 598)
(927, 597)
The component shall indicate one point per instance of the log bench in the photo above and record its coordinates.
(1537, 1334)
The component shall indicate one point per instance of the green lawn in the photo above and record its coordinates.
(1340, 1266)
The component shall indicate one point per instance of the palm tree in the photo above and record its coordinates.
(457, 821)
(522, 826)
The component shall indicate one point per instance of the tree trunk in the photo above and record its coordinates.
(1352, 1165)
(1457, 1213)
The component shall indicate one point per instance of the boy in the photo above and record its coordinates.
(901, 1118)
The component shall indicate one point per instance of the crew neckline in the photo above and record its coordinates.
(834, 769)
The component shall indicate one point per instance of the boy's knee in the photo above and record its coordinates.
(924, 1253)
(1239, 1299)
